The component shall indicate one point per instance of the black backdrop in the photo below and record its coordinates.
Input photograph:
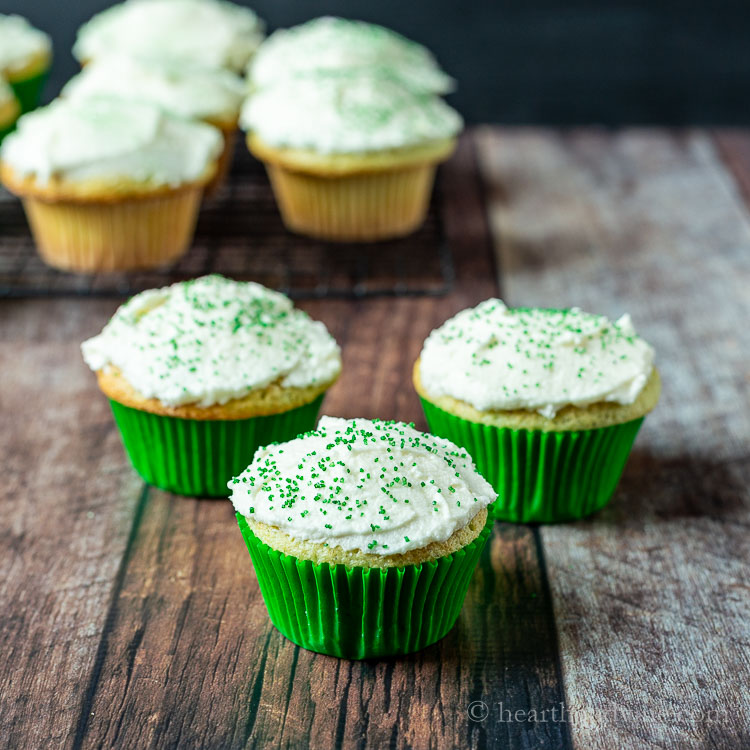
(534, 61)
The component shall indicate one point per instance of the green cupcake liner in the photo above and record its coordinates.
(29, 91)
(196, 456)
(6, 129)
(541, 477)
(362, 613)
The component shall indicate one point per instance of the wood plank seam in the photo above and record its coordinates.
(492, 241)
(553, 636)
(109, 620)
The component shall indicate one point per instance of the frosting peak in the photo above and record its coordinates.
(214, 33)
(335, 44)
(109, 139)
(20, 42)
(211, 340)
(377, 487)
(185, 89)
(347, 112)
(498, 358)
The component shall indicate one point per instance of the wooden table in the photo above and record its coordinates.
(132, 618)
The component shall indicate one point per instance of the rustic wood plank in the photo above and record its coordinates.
(68, 500)
(733, 145)
(650, 595)
(189, 658)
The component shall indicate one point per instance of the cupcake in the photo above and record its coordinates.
(9, 109)
(351, 155)
(200, 373)
(208, 33)
(363, 535)
(331, 44)
(109, 184)
(25, 59)
(212, 95)
(548, 402)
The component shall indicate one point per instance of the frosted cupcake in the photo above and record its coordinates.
(212, 95)
(25, 59)
(200, 373)
(9, 109)
(109, 184)
(350, 156)
(332, 44)
(363, 534)
(208, 33)
(548, 402)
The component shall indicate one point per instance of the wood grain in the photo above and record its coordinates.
(189, 658)
(67, 502)
(650, 596)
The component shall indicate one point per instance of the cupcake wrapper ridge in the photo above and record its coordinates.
(198, 457)
(542, 477)
(359, 207)
(362, 613)
(131, 233)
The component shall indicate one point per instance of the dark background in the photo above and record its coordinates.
(534, 61)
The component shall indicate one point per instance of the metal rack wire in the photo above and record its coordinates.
(240, 234)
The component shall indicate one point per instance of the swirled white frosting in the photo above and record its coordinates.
(345, 112)
(211, 340)
(499, 358)
(182, 88)
(109, 138)
(213, 33)
(20, 42)
(378, 487)
(330, 44)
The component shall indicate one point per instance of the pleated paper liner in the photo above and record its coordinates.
(358, 207)
(198, 457)
(540, 476)
(114, 235)
(362, 613)
(28, 91)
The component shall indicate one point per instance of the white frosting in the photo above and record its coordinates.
(330, 44)
(497, 358)
(211, 340)
(20, 42)
(213, 33)
(108, 138)
(186, 90)
(347, 112)
(378, 487)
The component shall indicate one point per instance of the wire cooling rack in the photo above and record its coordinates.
(240, 234)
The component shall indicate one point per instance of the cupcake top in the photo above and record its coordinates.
(347, 112)
(211, 340)
(213, 33)
(499, 358)
(377, 487)
(20, 42)
(333, 44)
(109, 139)
(184, 89)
